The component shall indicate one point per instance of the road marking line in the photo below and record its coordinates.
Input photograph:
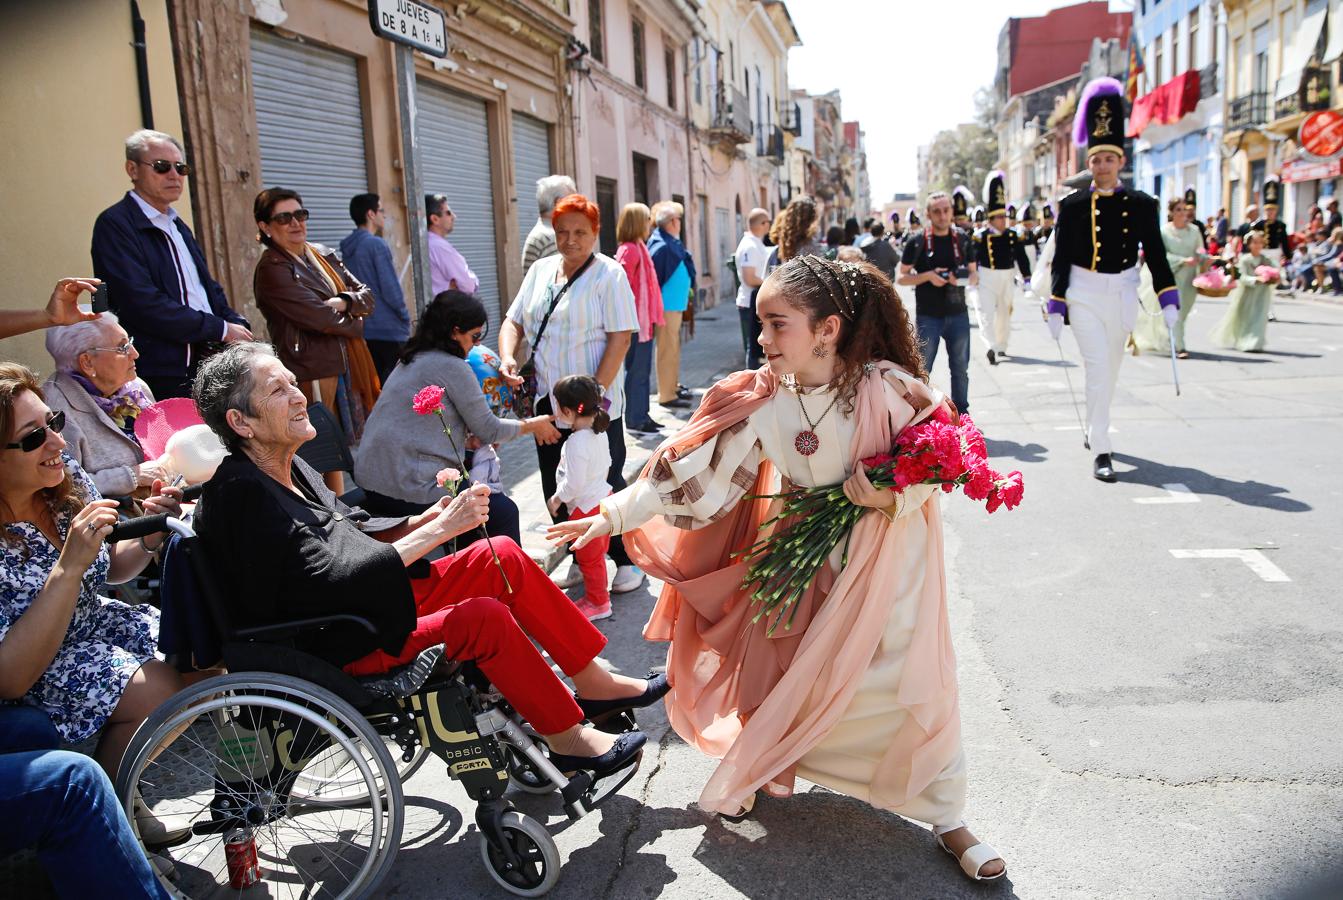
(1257, 562)
(1175, 493)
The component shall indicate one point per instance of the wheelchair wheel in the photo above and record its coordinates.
(334, 777)
(540, 857)
(522, 773)
(220, 760)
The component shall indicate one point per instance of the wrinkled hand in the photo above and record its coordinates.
(860, 492)
(63, 307)
(580, 531)
(1055, 322)
(88, 529)
(469, 509)
(1171, 314)
(234, 333)
(150, 472)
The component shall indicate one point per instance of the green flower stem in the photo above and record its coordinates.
(461, 460)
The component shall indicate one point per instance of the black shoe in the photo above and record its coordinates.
(647, 426)
(993, 358)
(656, 689)
(683, 392)
(627, 747)
(678, 403)
(1104, 469)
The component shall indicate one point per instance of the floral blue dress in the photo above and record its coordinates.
(107, 642)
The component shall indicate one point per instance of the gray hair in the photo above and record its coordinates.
(550, 189)
(667, 210)
(66, 342)
(138, 143)
(224, 382)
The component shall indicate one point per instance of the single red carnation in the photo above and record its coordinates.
(428, 401)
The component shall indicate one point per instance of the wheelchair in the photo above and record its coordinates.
(291, 764)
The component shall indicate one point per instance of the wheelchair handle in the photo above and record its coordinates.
(147, 525)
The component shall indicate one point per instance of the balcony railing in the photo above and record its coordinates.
(1312, 96)
(732, 120)
(1247, 110)
(775, 150)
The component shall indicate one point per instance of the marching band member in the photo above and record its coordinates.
(997, 251)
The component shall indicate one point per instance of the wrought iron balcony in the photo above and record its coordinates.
(1247, 110)
(732, 119)
(1313, 95)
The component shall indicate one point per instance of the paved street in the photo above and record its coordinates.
(1150, 670)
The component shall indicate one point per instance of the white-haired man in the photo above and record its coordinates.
(540, 241)
(675, 269)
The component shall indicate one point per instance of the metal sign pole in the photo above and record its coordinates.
(414, 187)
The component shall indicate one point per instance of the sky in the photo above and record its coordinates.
(889, 59)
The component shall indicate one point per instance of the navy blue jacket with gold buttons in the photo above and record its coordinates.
(1102, 231)
(1001, 250)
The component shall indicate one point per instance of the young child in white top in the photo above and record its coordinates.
(581, 485)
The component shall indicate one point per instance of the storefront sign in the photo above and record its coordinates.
(1308, 170)
(406, 22)
(1321, 135)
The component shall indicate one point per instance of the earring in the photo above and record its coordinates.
(819, 351)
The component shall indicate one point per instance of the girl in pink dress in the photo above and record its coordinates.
(860, 694)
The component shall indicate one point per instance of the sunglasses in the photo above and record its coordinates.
(162, 166)
(284, 218)
(38, 436)
(122, 349)
(478, 336)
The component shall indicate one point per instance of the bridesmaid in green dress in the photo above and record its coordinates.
(1245, 324)
(1185, 252)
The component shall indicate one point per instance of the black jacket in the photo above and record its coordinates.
(1001, 251)
(1102, 232)
(283, 557)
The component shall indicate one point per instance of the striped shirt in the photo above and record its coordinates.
(575, 340)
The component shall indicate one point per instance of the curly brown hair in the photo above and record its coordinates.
(793, 227)
(874, 324)
(64, 498)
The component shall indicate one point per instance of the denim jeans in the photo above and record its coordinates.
(62, 805)
(955, 330)
(638, 378)
(750, 333)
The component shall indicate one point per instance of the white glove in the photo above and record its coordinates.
(1171, 314)
(1055, 322)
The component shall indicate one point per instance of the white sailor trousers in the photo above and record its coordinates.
(993, 308)
(1101, 310)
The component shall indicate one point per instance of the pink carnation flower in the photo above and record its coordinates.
(447, 476)
(1011, 489)
(428, 401)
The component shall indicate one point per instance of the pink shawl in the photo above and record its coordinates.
(633, 255)
(761, 703)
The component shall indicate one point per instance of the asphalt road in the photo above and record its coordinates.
(1139, 722)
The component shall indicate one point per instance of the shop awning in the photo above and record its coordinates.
(1298, 53)
(1334, 49)
(1165, 105)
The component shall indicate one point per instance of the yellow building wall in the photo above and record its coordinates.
(69, 96)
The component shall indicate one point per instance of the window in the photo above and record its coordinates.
(1193, 38)
(637, 44)
(1259, 65)
(1175, 67)
(606, 202)
(669, 61)
(759, 117)
(1158, 60)
(699, 75)
(1285, 41)
(645, 178)
(597, 30)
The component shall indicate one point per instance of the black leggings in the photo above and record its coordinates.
(548, 458)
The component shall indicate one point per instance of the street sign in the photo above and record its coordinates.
(417, 25)
(1321, 135)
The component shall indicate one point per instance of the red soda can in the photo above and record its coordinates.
(240, 857)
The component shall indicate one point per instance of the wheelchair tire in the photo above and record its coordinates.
(187, 758)
(339, 783)
(541, 858)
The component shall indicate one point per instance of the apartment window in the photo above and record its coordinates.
(637, 43)
(669, 61)
(1285, 24)
(606, 202)
(1193, 38)
(645, 179)
(1242, 64)
(1159, 60)
(699, 76)
(1259, 65)
(597, 30)
(1175, 67)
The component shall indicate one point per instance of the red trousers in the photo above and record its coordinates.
(464, 606)
(592, 563)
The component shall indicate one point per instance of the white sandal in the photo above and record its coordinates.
(973, 859)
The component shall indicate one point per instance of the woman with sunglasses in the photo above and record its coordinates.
(86, 661)
(96, 386)
(315, 311)
(401, 453)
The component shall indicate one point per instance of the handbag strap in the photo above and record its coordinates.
(555, 301)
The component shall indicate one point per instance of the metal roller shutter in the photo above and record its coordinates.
(454, 141)
(310, 126)
(531, 162)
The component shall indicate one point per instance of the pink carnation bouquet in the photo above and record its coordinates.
(1267, 274)
(428, 401)
(812, 521)
(1214, 279)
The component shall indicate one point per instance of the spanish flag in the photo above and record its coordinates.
(1135, 69)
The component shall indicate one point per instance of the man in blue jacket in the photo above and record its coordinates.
(157, 280)
(675, 269)
(367, 256)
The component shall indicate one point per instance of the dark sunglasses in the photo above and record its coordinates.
(38, 436)
(162, 166)
(479, 336)
(285, 218)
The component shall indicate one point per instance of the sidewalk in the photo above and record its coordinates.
(714, 352)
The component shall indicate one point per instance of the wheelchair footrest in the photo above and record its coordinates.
(586, 791)
(406, 680)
